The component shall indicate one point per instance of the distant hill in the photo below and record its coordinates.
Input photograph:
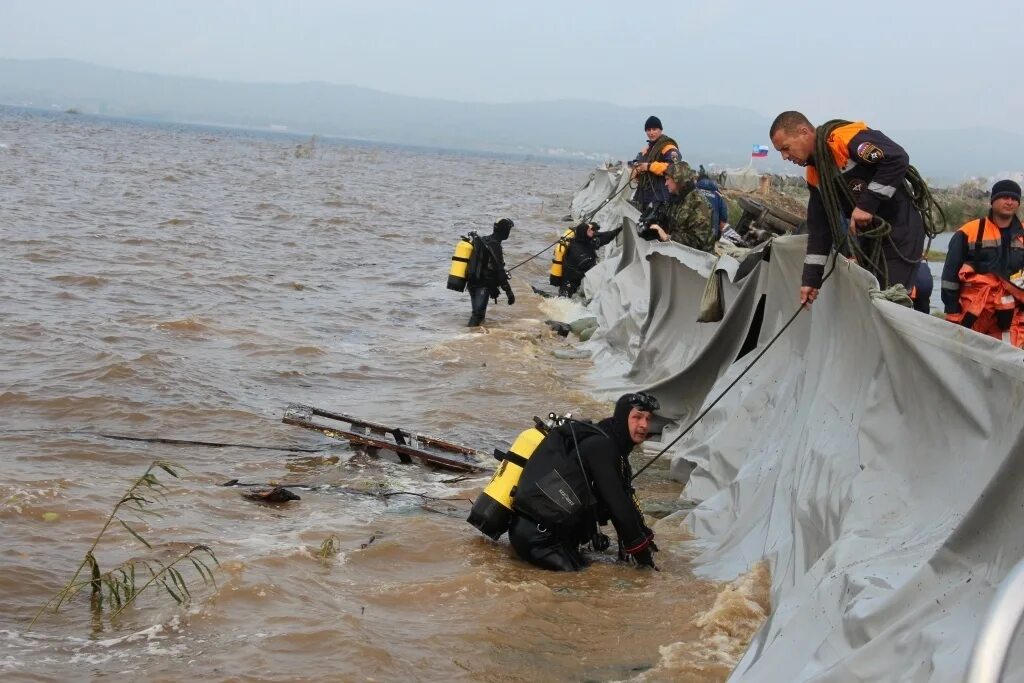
(570, 128)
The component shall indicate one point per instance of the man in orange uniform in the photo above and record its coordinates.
(984, 273)
(874, 168)
(650, 165)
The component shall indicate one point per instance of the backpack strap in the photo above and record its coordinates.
(977, 239)
(513, 458)
(498, 265)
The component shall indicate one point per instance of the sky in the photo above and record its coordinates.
(914, 64)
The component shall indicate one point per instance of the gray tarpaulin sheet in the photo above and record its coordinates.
(605, 198)
(874, 456)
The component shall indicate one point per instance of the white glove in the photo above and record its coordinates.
(729, 234)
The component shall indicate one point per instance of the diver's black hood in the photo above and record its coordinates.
(617, 426)
(580, 232)
(503, 228)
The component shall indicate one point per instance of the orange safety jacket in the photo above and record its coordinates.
(658, 155)
(839, 144)
(874, 168)
(662, 147)
(990, 305)
(982, 278)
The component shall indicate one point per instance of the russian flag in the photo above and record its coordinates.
(759, 151)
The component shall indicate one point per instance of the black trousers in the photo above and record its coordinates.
(478, 296)
(923, 283)
(900, 266)
(902, 253)
(544, 549)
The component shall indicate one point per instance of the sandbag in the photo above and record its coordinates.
(712, 302)
(581, 324)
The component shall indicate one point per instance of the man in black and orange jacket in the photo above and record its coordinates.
(650, 165)
(984, 272)
(874, 167)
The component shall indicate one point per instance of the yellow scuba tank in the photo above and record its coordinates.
(555, 276)
(457, 275)
(493, 507)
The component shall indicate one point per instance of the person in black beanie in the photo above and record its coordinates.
(650, 164)
(486, 271)
(983, 277)
(581, 255)
(603, 451)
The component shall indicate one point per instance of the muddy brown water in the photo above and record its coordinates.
(187, 282)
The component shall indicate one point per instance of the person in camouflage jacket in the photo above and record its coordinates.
(686, 217)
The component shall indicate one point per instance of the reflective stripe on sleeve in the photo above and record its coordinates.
(884, 190)
(816, 259)
(946, 284)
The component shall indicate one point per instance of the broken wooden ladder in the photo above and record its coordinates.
(443, 454)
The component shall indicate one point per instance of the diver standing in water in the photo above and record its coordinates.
(486, 271)
(577, 479)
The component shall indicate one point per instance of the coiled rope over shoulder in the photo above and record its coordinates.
(839, 201)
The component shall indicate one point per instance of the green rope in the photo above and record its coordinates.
(838, 199)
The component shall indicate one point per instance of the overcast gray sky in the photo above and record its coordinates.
(944, 63)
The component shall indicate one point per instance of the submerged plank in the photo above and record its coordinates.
(457, 457)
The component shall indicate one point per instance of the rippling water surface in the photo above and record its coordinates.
(180, 282)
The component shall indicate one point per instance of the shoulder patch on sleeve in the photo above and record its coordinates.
(870, 153)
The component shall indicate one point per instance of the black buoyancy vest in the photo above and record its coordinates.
(486, 265)
(554, 488)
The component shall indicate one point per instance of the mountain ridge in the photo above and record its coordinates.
(571, 127)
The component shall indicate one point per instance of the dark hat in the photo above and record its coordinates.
(580, 231)
(1005, 188)
(652, 122)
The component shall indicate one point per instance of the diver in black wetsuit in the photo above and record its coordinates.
(604, 454)
(486, 271)
(581, 255)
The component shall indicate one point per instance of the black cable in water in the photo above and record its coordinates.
(534, 256)
(173, 442)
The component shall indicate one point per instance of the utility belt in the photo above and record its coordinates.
(572, 535)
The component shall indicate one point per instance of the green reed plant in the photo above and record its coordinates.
(328, 549)
(125, 582)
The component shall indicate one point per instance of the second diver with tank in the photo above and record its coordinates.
(581, 255)
(487, 271)
(558, 485)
